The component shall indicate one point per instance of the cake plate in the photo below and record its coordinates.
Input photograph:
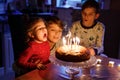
(74, 68)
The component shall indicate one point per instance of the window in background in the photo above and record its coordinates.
(69, 3)
(76, 4)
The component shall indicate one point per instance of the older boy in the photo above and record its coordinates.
(88, 29)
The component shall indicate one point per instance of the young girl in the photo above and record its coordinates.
(38, 50)
(89, 30)
(55, 29)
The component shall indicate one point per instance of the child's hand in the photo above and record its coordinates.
(92, 52)
(41, 66)
(38, 61)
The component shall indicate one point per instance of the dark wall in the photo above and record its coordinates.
(17, 28)
(111, 42)
(115, 5)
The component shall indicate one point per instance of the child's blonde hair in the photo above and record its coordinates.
(31, 27)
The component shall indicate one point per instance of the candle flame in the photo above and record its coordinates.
(72, 43)
(69, 34)
(76, 41)
(64, 41)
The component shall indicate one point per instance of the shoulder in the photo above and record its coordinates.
(100, 24)
(76, 22)
(59, 43)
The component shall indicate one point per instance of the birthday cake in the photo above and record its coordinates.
(72, 53)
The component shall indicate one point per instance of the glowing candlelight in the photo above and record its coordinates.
(99, 61)
(74, 40)
(64, 41)
(70, 43)
(111, 63)
(98, 65)
(118, 67)
(68, 37)
(77, 40)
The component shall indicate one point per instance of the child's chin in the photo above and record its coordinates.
(45, 39)
(55, 41)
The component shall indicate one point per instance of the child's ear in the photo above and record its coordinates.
(30, 34)
(97, 16)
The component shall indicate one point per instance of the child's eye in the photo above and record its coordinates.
(60, 31)
(90, 14)
(52, 30)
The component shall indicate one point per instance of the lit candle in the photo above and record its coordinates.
(64, 41)
(77, 40)
(68, 39)
(118, 67)
(99, 61)
(70, 44)
(98, 65)
(111, 64)
(65, 44)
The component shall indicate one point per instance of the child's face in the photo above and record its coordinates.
(54, 33)
(89, 16)
(40, 32)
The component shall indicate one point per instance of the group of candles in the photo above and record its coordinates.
(71, 43)
(110, 64)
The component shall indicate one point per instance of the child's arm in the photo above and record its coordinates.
(24, 59)
(100, 39)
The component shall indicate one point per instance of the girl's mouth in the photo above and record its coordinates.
(45, 35)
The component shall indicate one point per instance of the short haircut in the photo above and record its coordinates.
(55, 20)
(91, 4)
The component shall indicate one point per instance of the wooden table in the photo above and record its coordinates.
(55, 72)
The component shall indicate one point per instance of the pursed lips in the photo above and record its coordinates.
(45, 35)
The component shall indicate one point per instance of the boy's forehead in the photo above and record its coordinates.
(54, 27)
(89, 9)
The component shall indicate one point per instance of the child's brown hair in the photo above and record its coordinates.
(91, 4)
(55, 20)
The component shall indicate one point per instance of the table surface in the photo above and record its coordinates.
(56, 72)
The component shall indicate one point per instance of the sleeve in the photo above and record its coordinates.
(100, 39)
(24, 58)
